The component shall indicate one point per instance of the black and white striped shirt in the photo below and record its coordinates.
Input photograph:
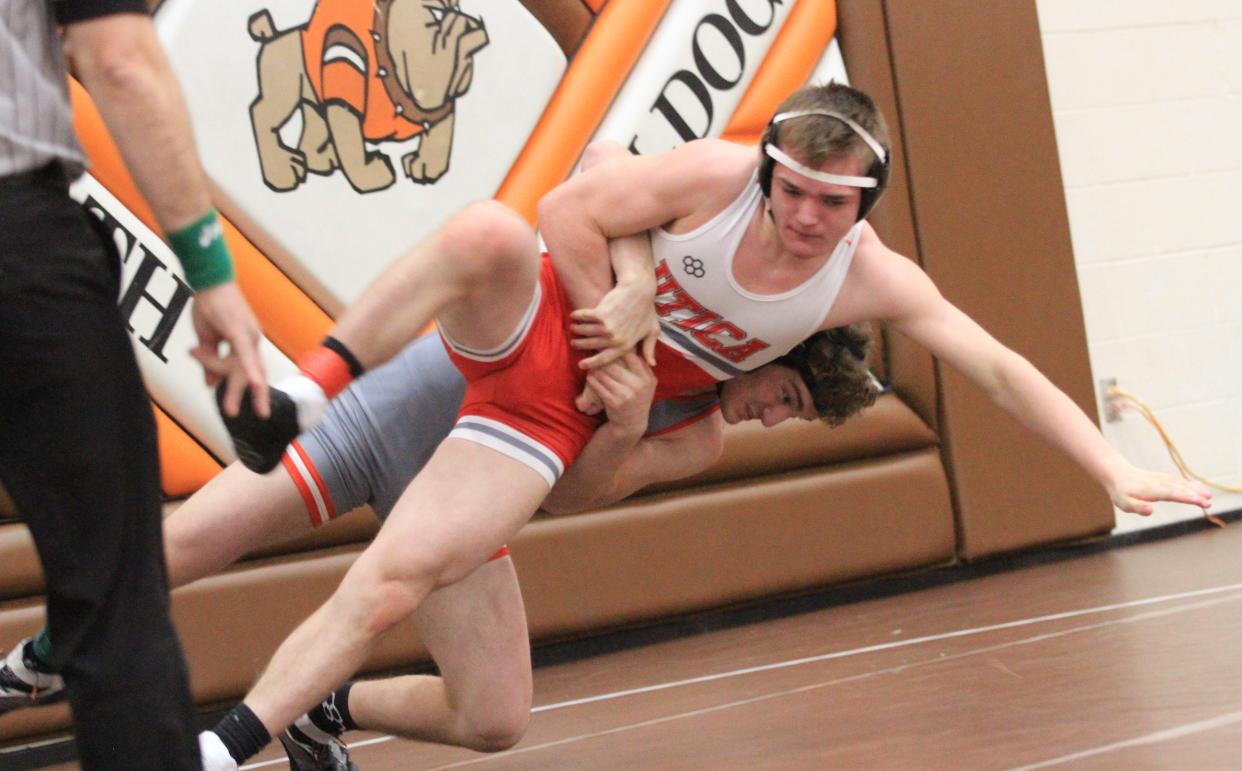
(36, 126)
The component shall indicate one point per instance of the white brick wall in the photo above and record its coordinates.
(1147, 101)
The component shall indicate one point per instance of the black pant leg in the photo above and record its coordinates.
(78, 456)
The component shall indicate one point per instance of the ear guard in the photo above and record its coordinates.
(871, 186)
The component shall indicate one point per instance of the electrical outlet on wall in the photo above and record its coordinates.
(1109, 402)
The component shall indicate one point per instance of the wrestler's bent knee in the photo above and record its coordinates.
(496, 731)
(486, 238)
(496, 716)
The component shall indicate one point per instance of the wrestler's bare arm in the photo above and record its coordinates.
(625, 317)
(664, 458)
(120, 62)
(631, 194)
(886, 286)
(618, 459)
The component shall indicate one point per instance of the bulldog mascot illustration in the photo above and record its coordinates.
(359, 72)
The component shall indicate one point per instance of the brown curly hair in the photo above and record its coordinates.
(817, 138)
(833, 364)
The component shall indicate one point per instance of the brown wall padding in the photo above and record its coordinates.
(864, 45)
(989, 212)
(22, 575)
(675, 553)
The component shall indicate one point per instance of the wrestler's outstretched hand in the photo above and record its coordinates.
(1137, 490)
(623, 320)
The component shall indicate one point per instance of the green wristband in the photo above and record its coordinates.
(203, 254)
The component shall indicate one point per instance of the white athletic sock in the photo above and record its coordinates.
(216, 756)
(309, 398)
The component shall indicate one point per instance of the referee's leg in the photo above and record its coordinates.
(78, 456)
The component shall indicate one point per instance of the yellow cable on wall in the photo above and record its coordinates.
(1122, 399)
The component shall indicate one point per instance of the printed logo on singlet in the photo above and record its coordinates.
(693, 266)
(677, 308)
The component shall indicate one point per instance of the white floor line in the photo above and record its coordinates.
(842, 680)
(1177, 732)
(285, 762)
(887, 646)
(266, 763)
(850, 652)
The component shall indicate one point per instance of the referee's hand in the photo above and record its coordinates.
(221, 315)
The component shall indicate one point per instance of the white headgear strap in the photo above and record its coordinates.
(836, 179)
(776, 154)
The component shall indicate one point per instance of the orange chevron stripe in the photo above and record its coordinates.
(184, 465)
(796, 50)
(594, 76)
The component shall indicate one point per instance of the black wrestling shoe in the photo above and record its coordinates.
(306, 754)
(261, 443)
(24, 682)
